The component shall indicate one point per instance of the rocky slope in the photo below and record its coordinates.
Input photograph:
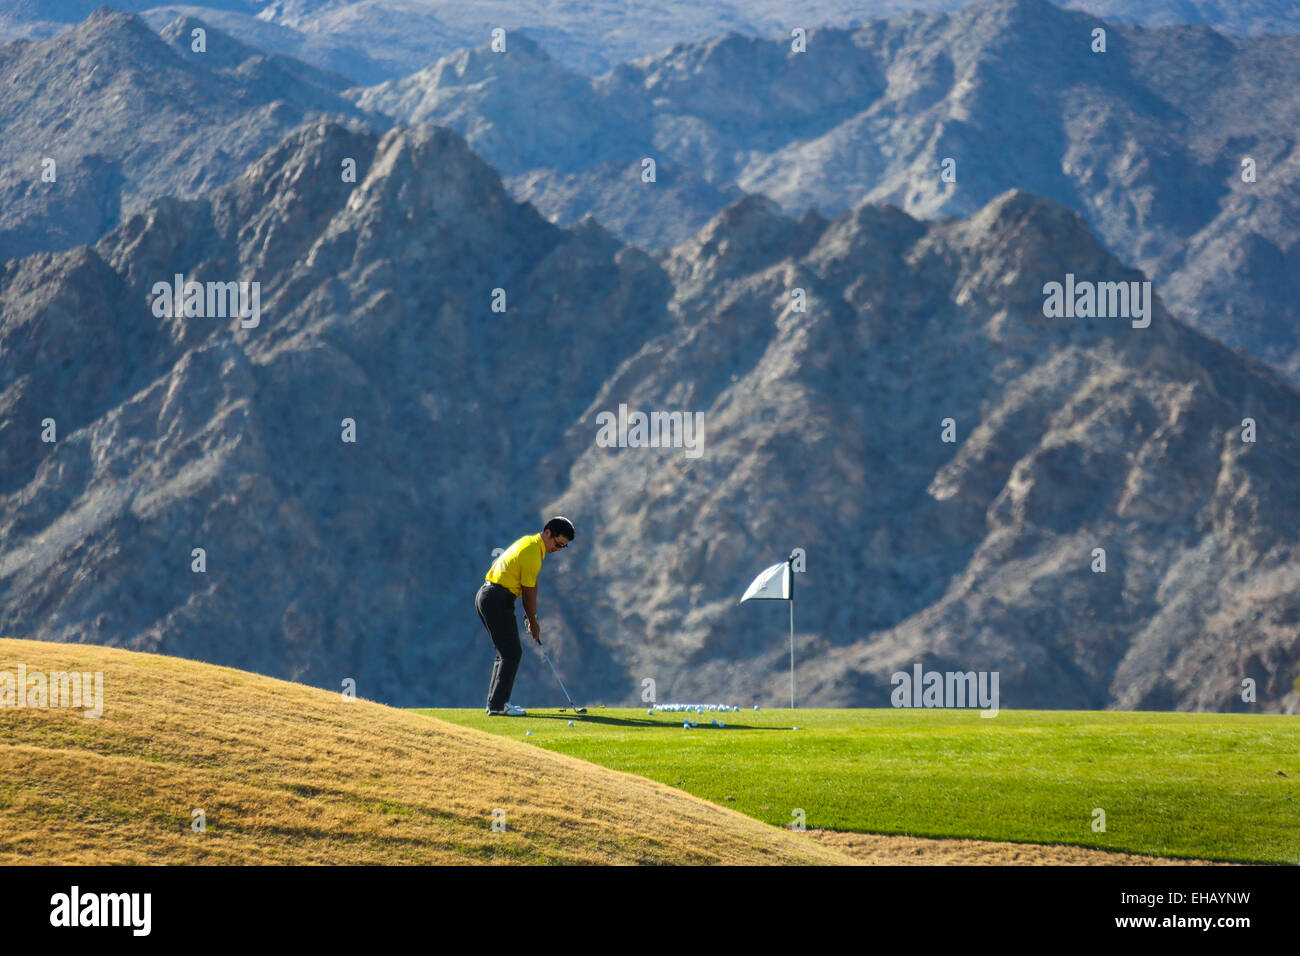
(376, 40)
(1146, 140)
(323, 557)
(128, 114)
(824, 433)
(328, 559)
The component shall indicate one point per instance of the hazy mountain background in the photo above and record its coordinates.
(128, 114)
(1146, 140)
(375, 40)
(328, 560)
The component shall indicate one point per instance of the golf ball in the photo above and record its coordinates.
(794, 728)
(651, 711)
(721, 724)
(686, 724)
(570, 723)
(528, 733)
(756, 706)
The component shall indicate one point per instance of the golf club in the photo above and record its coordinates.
(576, 708)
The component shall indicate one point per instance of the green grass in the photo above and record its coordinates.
(1215, 786)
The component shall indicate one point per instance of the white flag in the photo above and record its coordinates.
(773, 584)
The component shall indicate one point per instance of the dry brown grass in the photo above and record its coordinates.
(879, 849)
(292, 774)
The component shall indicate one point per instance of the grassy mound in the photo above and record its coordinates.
(291, 774)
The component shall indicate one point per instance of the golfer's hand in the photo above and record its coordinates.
(535, 629)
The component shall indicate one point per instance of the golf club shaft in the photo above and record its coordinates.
(567, 695)
(559, 680)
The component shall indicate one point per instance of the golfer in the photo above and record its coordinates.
(513, 573)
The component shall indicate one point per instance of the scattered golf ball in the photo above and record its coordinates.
(686, 724)
(756, 706)
(651, 711)
(794, 728)
(528, 733)
(570, 723)
(721, 724)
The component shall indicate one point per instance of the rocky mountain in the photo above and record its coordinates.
(376, 40)
(1245, 18)
(821, 428)
(1150, 140)
(824, 432)
(111, 114)
(325, 559)
(1144, 140)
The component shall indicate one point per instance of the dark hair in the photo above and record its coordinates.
(559, 525)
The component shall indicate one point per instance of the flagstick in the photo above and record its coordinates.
(761, 589)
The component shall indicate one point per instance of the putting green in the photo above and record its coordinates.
(1214, 786)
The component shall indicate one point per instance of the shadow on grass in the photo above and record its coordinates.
(590, 718)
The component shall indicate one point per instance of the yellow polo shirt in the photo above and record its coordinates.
(517, 566)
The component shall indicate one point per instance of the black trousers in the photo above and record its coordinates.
(496, 609)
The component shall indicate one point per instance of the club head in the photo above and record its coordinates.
(580, 710)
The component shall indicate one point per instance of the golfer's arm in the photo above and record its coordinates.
(530, 604)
